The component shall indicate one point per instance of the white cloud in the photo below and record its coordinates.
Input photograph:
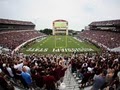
(78, 13)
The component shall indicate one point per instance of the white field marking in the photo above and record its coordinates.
(29, 49)
(77, 50)
(37, 49)
(78, 39)
(56, 50)
(58, 38)
(41, 39)
(59, 49)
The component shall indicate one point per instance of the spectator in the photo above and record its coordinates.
(49, 81)
(27, 77)
(10, 71)
(99, 81)
(3, 83)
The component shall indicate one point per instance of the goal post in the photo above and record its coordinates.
(61, 41)
(60, 27)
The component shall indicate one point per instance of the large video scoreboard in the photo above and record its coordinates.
(60, 27)
(60, 24)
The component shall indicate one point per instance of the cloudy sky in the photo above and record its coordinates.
(79, 13)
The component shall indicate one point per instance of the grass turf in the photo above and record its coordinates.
(58, 44)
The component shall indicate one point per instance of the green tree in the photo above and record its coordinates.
(47, 31)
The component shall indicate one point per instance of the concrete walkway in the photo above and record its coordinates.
(70, 82)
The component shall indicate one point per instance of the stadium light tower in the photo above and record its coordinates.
(60, 27)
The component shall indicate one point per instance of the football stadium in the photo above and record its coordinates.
(63, 59)
(60, 42)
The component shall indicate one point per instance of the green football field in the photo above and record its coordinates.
(59, 44)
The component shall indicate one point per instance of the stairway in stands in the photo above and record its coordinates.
(70, 82)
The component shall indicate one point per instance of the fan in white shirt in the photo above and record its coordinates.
(9, 71)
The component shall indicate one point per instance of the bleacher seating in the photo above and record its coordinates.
(11, 39)
(86, 67)
(38, 67)
(41, 67)
(107, 38)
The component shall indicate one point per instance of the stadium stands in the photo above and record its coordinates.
(14, 32)
(47, 71)
(14, 38)
(87, 68)
(44, 70)
(103, 33)
(107, 38)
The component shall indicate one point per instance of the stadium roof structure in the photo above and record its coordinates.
(16, 22)
(106, 23)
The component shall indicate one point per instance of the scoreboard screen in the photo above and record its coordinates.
(60, 24)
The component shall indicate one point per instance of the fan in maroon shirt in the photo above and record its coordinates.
(49, 81)
(56, 72)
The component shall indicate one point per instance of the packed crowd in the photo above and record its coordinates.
(107, 38)
(47, 71)
(100, 71)
(13, 39)
(43, 71)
